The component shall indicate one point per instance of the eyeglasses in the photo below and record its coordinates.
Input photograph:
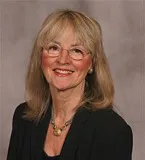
(75, 53)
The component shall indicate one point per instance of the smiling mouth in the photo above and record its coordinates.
(62, 72)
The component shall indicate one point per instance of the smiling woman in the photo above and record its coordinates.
(66, 69)
(68, 113)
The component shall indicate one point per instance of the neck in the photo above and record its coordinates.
(66, 102)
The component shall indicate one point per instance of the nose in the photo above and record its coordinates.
(63, 57)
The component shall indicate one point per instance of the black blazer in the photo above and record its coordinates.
(93, 135)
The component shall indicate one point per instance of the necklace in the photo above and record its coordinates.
(58, 130)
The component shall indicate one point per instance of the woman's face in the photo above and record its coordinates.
(63, 72)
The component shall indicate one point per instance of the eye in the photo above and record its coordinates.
(53, 48)
(76, 50)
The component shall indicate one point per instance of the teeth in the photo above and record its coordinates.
(63, 71)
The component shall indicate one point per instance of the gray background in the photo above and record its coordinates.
(123, 25)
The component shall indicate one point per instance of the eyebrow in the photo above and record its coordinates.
(72, 45)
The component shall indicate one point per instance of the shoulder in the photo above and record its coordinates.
(112, 136)
(18, 116)
(109, 121)
(20, 110)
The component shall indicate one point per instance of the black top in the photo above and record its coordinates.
(46, 157)
(93, 135)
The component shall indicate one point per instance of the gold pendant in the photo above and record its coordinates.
(57, 131)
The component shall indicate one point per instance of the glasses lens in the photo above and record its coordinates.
(53, 50)
(76, 53)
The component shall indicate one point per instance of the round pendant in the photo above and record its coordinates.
(57, 131)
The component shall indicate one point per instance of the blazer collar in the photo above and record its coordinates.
(70, 145)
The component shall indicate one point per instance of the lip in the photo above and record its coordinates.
(61, 72)
(63, 69)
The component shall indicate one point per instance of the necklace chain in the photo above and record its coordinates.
(58, 130)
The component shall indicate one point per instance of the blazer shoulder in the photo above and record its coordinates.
(110, 120)
(112, 137)
(19, 112)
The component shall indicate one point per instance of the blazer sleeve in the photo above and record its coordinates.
(13, 144)
(112, 143)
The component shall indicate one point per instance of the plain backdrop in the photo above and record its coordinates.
(123, 25)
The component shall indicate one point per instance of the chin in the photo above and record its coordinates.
(63, 88)
(67, 87)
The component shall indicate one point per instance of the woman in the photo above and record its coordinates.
(68, 113)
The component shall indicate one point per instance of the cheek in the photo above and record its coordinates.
(45, 61)
(46, 65)
(83, 66)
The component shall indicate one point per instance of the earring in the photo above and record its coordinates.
(90, 71)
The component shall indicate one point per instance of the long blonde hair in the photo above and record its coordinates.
(99, 89)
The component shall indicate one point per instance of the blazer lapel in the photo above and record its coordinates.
(39, 135)
(71, 142)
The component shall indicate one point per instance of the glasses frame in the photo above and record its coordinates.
(68, 50)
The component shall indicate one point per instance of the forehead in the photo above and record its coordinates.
(67, 37)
